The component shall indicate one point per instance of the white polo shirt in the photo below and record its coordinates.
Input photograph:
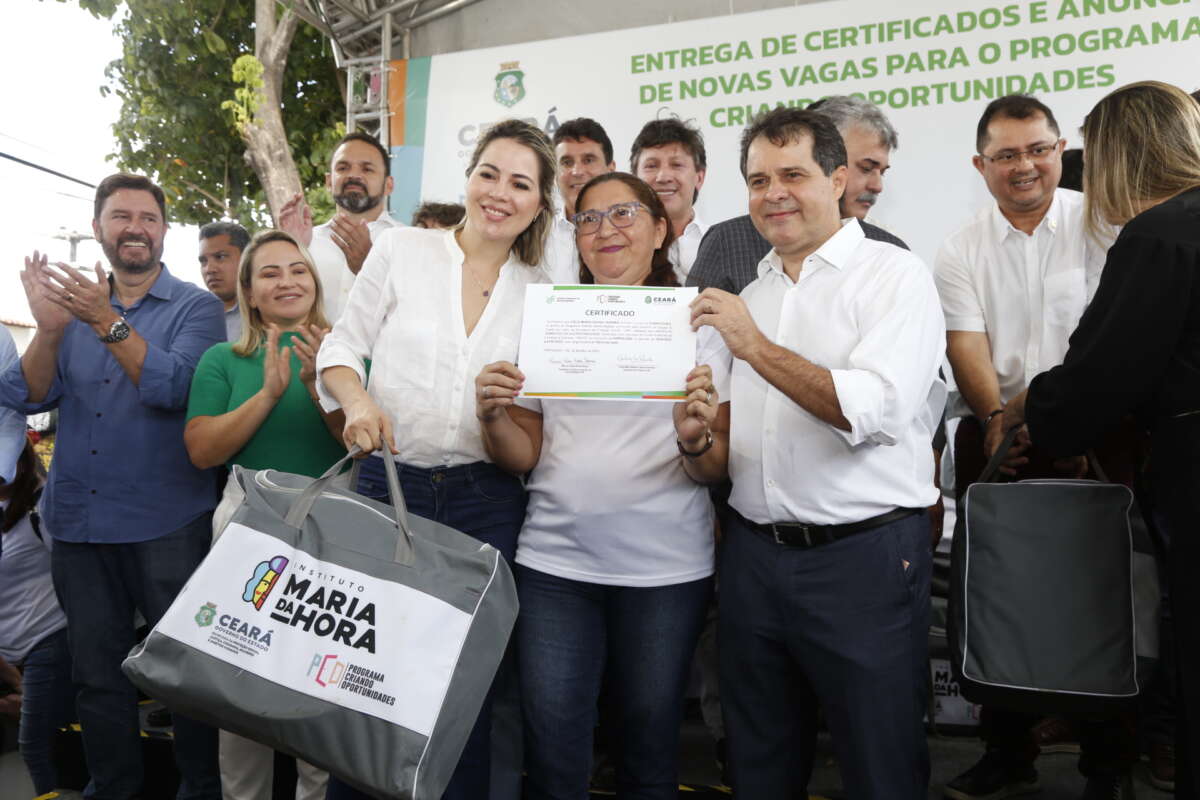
(405, 314)
(867, 311)
(336, 277)
(682, 253)
(1025, 292)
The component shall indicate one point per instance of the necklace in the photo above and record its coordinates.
(471, 272)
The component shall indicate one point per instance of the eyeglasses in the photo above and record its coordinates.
(1036, 154)
(621, 215)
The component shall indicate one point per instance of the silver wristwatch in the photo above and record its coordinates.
(117, 332)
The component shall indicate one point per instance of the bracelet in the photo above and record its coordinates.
(988, 419)
(707, 446)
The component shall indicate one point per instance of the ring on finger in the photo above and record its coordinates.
(487, 392)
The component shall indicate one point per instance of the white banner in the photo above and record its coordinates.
(932, 65)
(330, 632)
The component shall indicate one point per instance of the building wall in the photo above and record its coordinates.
(21, 335)
(489, 23)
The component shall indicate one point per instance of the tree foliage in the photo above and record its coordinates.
(174, 79)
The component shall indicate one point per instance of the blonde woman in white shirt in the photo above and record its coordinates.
(615, 561)
(429, 309)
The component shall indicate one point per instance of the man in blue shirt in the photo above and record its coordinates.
(12, 422)
(129, 513)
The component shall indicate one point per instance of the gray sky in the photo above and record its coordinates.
(53, 57)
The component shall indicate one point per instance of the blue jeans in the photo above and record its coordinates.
(568, 632)
(47, 704)
(99, 587)
(843, 626)
(485, 502)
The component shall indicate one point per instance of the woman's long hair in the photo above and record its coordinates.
(254, 330)
(24, 488)
(530, 245)
(662, 271)
(1141, 146)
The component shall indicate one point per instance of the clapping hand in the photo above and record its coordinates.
(49, 315)
(307, 345)
(296, 218)
(354, 239)
(277, 365)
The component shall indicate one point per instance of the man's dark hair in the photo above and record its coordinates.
(362, 136)
(1013, 106)
(441, 215)
(672, 130)
(125, 180)
(582, 128)
(239, 237)
(1072, 169)
(1196, 95)
(783, 126)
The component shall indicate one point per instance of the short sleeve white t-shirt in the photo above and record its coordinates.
(610, 501)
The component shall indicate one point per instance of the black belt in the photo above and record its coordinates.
(795, 534)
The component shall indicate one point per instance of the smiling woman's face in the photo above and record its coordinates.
(618, 256)
(281, 284)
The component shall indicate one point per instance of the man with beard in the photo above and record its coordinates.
(729, 254)
(360, 177)
(129, 514)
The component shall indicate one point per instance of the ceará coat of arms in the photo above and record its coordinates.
(510, 86)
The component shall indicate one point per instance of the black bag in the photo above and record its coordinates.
(1054, 594)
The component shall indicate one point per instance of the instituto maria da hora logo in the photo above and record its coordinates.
(510, 86)
(263, 580)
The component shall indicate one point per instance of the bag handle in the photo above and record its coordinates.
(303, 505)
(993, 466)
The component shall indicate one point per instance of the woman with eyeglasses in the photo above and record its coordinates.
(615, 560)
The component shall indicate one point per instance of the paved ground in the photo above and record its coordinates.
(1059, 777)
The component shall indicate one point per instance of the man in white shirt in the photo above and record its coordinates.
(826, 563)
(669, 155)
(1014, 282)
(360, 179)
(729, 254)
(221, 246)
(584, 151)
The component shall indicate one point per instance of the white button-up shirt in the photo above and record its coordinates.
(682, 253)
(405, 314)
(560, 260)
(1025, 292)
(867, 311)
(336, 277)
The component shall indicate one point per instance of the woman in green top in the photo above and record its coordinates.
(252, 402)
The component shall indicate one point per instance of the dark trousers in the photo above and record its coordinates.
(47, 704)
(567, 633)
(843, 626)
(100, 586)
(480, 500)
(1174, 479)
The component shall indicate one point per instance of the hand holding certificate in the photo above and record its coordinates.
(607, 342)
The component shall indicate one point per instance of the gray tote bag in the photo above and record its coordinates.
(337, 629)
(1054, 594)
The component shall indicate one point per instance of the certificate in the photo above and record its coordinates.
(607, 342)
